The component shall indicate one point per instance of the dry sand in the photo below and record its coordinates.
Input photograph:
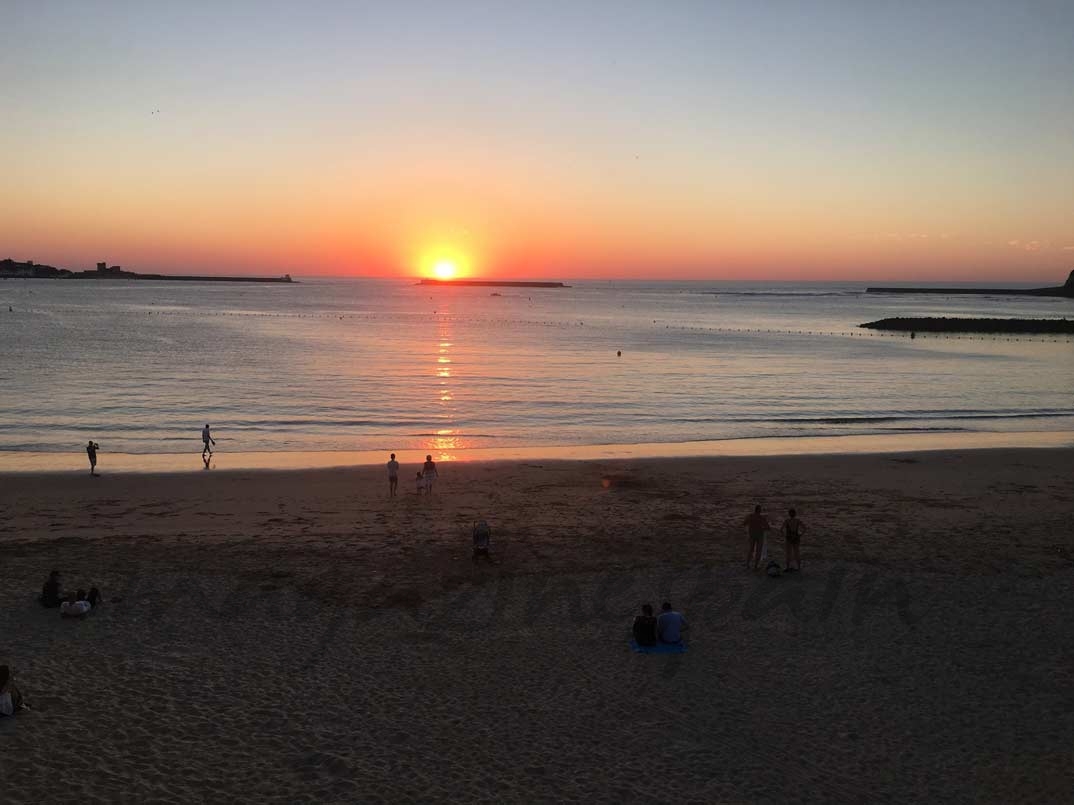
(297, 636)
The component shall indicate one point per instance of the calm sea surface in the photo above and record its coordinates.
(387, 365)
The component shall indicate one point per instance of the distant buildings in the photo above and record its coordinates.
(11, 268)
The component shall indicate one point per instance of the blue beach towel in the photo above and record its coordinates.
(659, 648)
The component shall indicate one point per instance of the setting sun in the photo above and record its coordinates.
(444, 262)
(445, 270)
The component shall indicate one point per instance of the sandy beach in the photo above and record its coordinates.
(298, 636)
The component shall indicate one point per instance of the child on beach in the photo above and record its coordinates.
(420, 483)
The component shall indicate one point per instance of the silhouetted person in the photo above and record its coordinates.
(482, 541)
(757, 524)
(670, 625)
(393, 476)
(91, 450)
(207, 439)
(644, 627)
(419, 483)
(51, 593)
(792, 533)
(428, 472)
(10, 696)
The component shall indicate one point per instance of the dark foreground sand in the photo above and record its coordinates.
(299, 637)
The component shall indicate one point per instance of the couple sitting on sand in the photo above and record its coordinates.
(758, 527)
(665, 630)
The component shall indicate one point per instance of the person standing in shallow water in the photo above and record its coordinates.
(393, 476)
(428, 474)
(91, 450)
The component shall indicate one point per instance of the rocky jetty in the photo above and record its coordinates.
(957, 325)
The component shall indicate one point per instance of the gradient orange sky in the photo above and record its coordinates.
(562, 140)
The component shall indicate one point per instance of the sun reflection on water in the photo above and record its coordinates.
(447, 438)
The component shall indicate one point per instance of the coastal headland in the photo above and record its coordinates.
(1064, 290)
(300, 636)
(10, 269)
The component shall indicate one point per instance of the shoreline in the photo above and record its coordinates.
(23, 462)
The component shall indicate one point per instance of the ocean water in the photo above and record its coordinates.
(387, 365)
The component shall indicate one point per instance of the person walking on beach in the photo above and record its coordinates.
(428, 473)
(91, 450)
(393, 476)
(792, 533)
(207, 439)
(757, 524)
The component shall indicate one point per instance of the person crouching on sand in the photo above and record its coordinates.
(757, 524)
(792, 533)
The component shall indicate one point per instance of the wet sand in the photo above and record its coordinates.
(297, 636)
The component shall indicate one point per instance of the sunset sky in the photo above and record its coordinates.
(766, 140)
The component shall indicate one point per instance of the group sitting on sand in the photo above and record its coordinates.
(667, 629)
(71, 605)
(758, 526)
